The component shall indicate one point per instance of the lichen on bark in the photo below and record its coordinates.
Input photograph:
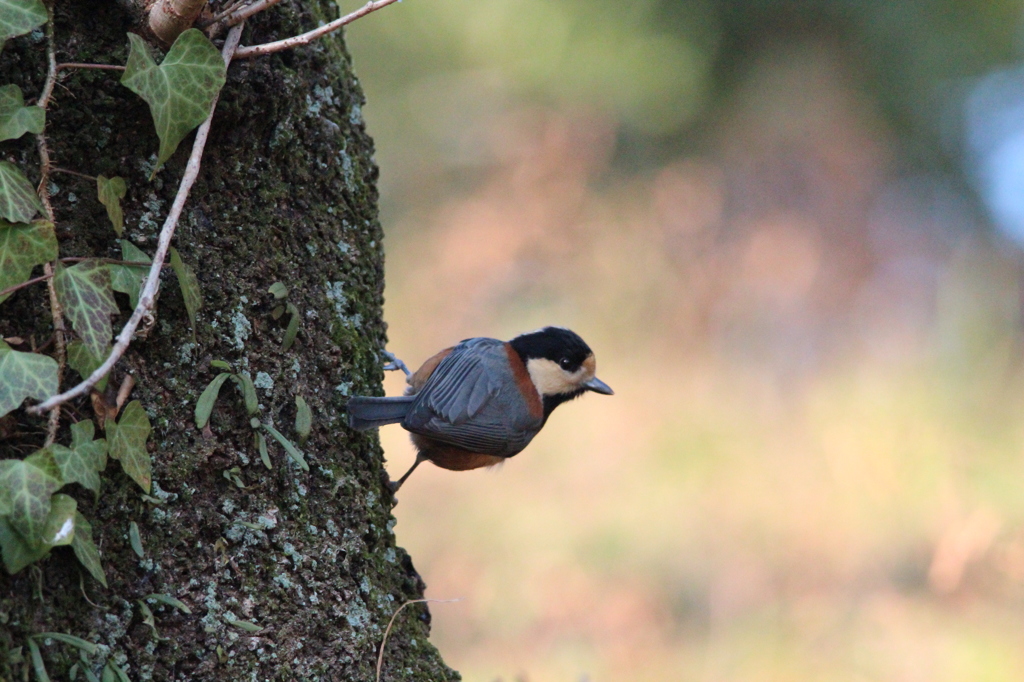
(287, 193)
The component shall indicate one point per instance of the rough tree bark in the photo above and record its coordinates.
(287, 193)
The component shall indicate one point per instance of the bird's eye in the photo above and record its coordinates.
(565, 363)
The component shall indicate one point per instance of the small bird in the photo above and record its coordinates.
(480, 402)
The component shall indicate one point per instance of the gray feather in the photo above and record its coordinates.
(365, 412)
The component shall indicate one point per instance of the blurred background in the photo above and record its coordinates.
(791, 231)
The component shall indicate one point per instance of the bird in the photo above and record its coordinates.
(482, 401)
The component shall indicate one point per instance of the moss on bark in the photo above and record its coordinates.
(287, 193)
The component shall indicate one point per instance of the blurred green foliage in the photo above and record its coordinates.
(663, 68)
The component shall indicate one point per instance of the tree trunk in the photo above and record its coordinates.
(286, 193)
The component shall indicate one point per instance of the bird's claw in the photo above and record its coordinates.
(395, 364)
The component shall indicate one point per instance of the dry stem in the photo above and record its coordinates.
(44, 195)
(310, 36)
(148, 296)
(380, 654)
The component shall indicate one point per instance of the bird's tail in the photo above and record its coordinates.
(365, 412)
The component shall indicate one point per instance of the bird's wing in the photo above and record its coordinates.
(464, 381)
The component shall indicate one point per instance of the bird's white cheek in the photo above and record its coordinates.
(550, 379)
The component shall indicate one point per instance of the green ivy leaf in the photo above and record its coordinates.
(110, 192)
(189, 284)
(293, 451)
(180, 90)
(261, 445)
(252, 403)
(77, 642)
(82, 462)
(60, 524)
(17, 553)
(127, 443)
(242, 624)
(19, 203)
(293, 327)
(77, 466)
(85, 363)
(18, 17)
(135, 538)
(129, 279)
(115, 669)
(85, 294)
(22, 247)
(37, 662)
(169, 601)
(15, 118)
(85, 549)
(92, 450)
(204, 407)
(278, 289)
(25, 375)
(27, 486)
(303, 419)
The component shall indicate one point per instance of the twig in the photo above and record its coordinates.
(221, 14)
(55, 169)
(148, 296)
(99, 67)
(241, 14)
(12, 289)
(310, 36)
(380, 654)
(44, 195)
(111, 261)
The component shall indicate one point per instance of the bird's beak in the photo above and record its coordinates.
(598, 386)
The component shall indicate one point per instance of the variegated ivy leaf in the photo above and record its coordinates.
(84, 292)
(59, 529)
(24, 375)
(129, 279)
(27, 485)
(180, 90)
(18, 17)
(110, 193)
(85, 363)
(85, 549)
(189, 286)
(18, 552)
(19, 202)
(15, 118)
(22, 247)
(126, 442)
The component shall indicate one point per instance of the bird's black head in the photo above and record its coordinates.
(562, 346)
(560, 363)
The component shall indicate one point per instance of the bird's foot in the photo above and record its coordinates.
(395, 364)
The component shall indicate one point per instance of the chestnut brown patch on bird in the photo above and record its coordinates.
(420, 376)
(452, 458)
(524, 383)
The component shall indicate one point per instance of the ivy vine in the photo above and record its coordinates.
(36, 513)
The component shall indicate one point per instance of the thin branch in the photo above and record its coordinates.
(12, 289)
(237, 14)
(147, 298)
(56, 311)
(55, 169)
(111, 261)
(310, 36)
(221, 14)
(99, 67)
(380, 654)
